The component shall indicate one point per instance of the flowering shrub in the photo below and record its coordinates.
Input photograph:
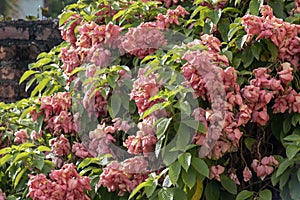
(160, 100)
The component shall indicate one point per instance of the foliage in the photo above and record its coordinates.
(160, 100)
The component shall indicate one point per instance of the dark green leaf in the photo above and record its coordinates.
(38, 162)
(287, 125)
(265, 195)
(212, 190)
(291, 151)
(283, 166)
(166, 193)
(200, 166)
(228, 184)
(254, 6)
(189, 178)
(174, 172)
(244, 194)
(114, 105)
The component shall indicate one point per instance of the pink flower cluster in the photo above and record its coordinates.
(144, 141)
(172, 16)
(64, 184)
(283, 34)
(21, 136)
(56, 113)
(143, 40)
(252, 100)
(100, 139)
(67, 31)
(144, 88)
(60, 146)
(124, 176)
(95, 105)
(264, 167)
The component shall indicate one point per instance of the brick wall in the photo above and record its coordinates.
(20, 43)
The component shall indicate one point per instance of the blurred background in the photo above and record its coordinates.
(32, 9)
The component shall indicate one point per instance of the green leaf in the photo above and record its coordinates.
(272, 49)
(5, 150)
(189, 178)
(64, 17)
(38, 162)
(247, 57)
(298, 174)
(5, 158)
(77, 69)
(183, 137)
(265, 195)
(212, 191)
(256, 49)
(40, 86)
(196, 125)
(155, 107)
(287, 125)
(254, 6)
(228, 184)
(244, 194)
(26, 75)
(294, 186)
(162, 127)
(149, 190)
(166, 193)
(185, 160)
(19, 176)
(43, 148)
(179, 194)
(114, 105)
(284, 178)
(21, 156)
(26, 111)
(249, 143)
(174, 172)
(291, 151)
(119, 14)
(278, 8)
(200, 166)
(283, 166)
(138, 188)
(296, 119)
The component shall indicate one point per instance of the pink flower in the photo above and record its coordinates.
(260, 117)
(286, 75)
(80, 151)
(21, 136)
(264, 167)
(251, 93)
(124, 176)
(60, 146)
(215, 172)
(247, 174)
(2, 195)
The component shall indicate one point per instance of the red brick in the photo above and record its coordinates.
(11, 32)
(8, 73)
(7, 52)
(8, 91)
(44, 35)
